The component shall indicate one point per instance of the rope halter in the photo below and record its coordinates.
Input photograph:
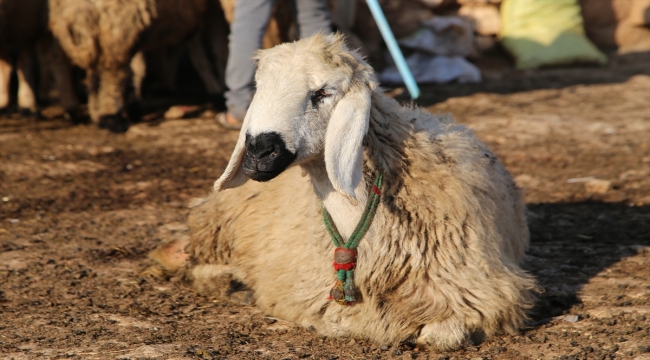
(345, 255)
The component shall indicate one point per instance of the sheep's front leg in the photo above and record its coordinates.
(5, 77)
(26, 82)
(62, 72)
(169, 60)
(171, 255)
(210, 279)
(139, 70)
(202, 65)
(110, 97)
(92, 86)
(217, 33)
(446, 335)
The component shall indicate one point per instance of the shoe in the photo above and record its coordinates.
(228, 122)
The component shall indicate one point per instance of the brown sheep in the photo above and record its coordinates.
(23, 25)
(102, 37)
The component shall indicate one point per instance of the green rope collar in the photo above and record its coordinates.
(345, 255)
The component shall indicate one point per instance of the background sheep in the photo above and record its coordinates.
(23, 29)
(102, 37)
(440, 260)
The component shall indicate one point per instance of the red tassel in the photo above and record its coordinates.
(376, 190)
(346, 267)
(344, 259)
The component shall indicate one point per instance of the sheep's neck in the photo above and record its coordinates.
(345, 214)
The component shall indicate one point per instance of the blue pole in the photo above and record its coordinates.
(394, 49)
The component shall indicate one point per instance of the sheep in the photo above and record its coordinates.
(20, 26)
(23, 26)
(26, 97)
(440, 263)
(102, 37)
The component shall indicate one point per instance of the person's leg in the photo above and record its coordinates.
(246, 31)
(313, 16)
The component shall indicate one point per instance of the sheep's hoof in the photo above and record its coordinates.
(134, 112)
(29, 113)
(77, 117)
(114, 123)
(218, 102)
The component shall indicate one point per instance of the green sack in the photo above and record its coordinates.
(546, 32)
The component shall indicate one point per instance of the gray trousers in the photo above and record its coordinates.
(251, 18)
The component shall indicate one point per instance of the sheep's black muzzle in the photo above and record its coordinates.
(266, 156)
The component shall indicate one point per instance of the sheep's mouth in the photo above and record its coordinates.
(262, 175)
(266, 156)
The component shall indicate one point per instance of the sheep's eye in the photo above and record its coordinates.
(318, 96)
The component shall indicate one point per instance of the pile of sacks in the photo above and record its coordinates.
(438, 36)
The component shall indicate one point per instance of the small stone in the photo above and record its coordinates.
(571, 318)
(597, 186)
(269, 320)
(176, 112)
(384, 348)
(189, 309)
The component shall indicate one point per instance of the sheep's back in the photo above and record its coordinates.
(109, 32)
(477, 176)
(75, 24)
(175, 20)
(451, 227)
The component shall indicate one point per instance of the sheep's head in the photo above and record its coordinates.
(312, 103)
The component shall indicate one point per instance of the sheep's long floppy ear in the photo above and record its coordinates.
(343, 140)
(233, 177)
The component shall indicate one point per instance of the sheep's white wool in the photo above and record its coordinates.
(441, 259)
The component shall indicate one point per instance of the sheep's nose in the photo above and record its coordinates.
(264, 145)
(266, 156)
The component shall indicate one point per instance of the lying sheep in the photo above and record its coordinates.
(23, 30)
(102, 37)
(440, 260)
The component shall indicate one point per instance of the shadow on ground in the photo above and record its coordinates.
(571, 243)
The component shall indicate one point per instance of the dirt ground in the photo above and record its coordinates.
(80, 209)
